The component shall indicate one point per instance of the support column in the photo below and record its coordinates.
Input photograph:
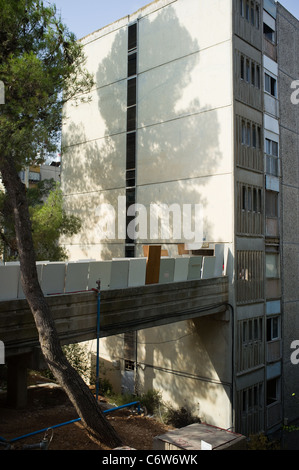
(17, 381)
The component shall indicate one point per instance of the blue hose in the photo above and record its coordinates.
(98, 342)
(69, 422)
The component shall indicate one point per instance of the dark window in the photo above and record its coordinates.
(258, 79)
(132, 64)
(241, 7)
(272, 391)
(270, 84)
(130, 251)
(257, 17)
(247, 71)
(130, 197)
(247, 11)
(244, 198)
(252, 14)
(268, 33)
(131, 119)
(252, 74)
(131, 92)
(132, 37)
(130, 178)
(242, 68)
(131, 149)
(271, 204)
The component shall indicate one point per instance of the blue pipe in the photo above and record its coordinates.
(98, 341)
(69, 422)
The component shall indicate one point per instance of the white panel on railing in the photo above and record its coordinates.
(137, 272)
(181, 268)
(9, 281)
(119, 273)
(195, 265)
(166, 270)
(53, 278)
(219, 263)
(76, 278)
(99, 270)
(208, 267)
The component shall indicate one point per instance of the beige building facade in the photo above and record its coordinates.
(188, 109)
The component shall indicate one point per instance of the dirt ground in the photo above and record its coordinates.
(49, 406)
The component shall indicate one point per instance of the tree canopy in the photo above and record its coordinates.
(49, 222)
(41, 66)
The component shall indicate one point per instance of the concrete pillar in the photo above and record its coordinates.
(17, 381)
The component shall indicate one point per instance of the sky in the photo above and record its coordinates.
(86, 16)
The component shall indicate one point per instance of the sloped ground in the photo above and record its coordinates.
(49, 406)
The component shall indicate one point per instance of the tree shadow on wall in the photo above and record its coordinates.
(177, 151)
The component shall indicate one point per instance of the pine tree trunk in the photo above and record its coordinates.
(78, 392)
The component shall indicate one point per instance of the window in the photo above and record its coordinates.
(273, 328)
(270, 84)
(130, 251)
(132, 64)
(257, 197)
(250, 279)
(254, 137)
(247, 11)
(131, 150)
(34, 176)
(272, 266)
(131, 97)
(273, 388)
(131, 118)
(257, 17)
(271, 204)
(271, 147)
(130, 178)
(252, 13)
(242, 7)
(258, 77)
(248, 135)
(268, 33)
(247, 71)
(272, 162)
(243, 133)
(253, 74)
(132, 37)
(242, 73)
(252, 330)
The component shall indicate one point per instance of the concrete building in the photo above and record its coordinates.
(192, 105)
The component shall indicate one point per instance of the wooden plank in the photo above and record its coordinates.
(153, 264)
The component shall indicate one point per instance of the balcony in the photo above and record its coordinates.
(270, 49)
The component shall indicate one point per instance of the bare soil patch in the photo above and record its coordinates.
(49, 406)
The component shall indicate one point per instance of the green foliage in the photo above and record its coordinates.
(41, 66)
(179, 418)
(151, 400)
(261, 442)
(77, 356)
(49, 221)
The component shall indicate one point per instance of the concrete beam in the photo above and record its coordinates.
(121, 310)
